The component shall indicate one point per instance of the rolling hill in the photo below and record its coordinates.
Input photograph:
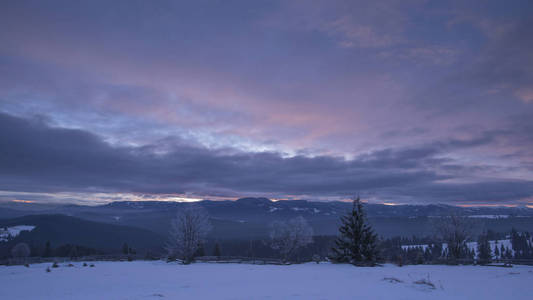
(61, 229)
(250, 217)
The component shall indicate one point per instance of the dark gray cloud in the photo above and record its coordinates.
(38, 158)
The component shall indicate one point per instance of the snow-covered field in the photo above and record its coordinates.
(159, 280)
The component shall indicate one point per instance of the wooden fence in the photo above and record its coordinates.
(38, 260)
(240, 260)
(205, 259)
(469, 261)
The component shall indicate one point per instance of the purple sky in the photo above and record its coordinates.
(399, 101)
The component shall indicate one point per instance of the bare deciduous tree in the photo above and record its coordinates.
(187, 231)
(20, 251)
(455, 231)
(287, 237)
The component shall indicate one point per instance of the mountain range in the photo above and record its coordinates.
(145, 224)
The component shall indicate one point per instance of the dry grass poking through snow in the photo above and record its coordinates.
(425, 282)
(393, 280)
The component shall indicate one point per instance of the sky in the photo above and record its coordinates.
(408, 102)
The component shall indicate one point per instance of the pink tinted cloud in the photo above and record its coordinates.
(525, 94)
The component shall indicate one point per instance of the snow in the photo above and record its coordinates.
(11, 232)
(405, 247)
(314, 210)
(157, 279)
(489, 216)
(493, 244)
(471, 245)
(273, 209)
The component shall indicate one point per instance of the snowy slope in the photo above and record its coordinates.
(159, 280)
(11, 232)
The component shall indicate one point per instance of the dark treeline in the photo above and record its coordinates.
(48, 250)
(260, 248)
(417, 250)
(522, 245)
(399, 250)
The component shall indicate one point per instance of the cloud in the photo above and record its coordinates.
(238, 79)
(351, 34)
(39, 158)
(349, 24)
(525, 94)
(488, 192)
(226, 98)
(436, 55)
(506, 63)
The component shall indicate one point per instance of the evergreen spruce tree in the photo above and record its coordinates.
(73, 253)
(514, 239)
(200, 250)
(47, 250)
(508, 253)
(125, 248)
(419, 257)
(216, 252)
(529, 246)
(357, 241)
(483, 249)
(469, 253)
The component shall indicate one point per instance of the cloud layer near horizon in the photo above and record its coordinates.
(39, 158)
(403, 101)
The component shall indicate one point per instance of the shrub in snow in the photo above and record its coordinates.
(48, 270)
(20, 250)
(425, 282)
(187, 232)
(55, 265)
(392, 280)
(316, 258)
(399, 261)
(27, 265)
(288, 237)
(85, 264)
(91, 265)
